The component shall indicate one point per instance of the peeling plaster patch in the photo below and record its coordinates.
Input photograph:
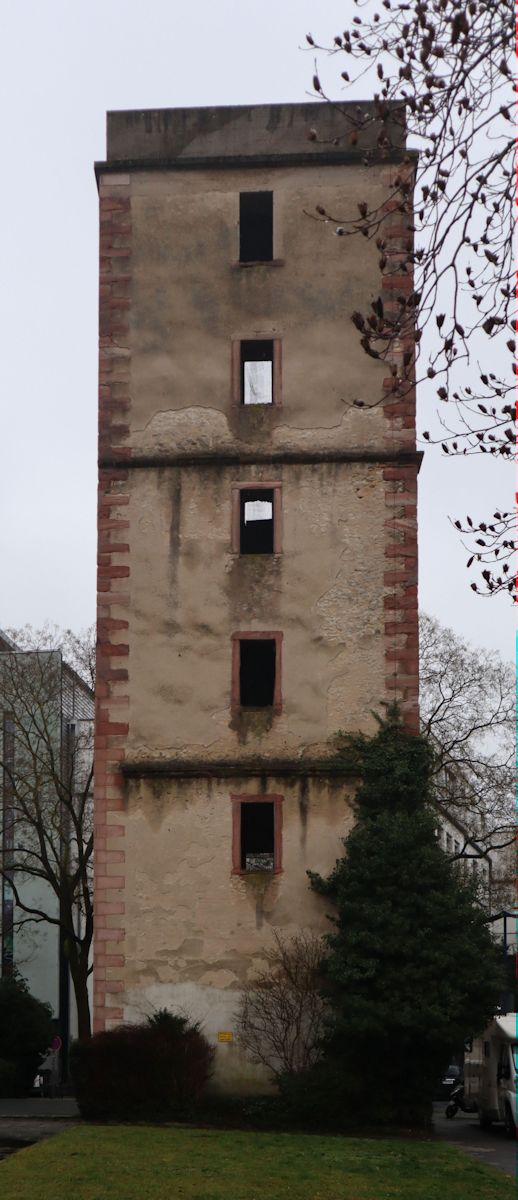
(349, 433)
(253, 425)
(345, 709)
(218, 979)
(333, 612)
(201, 429)
(188, 430)
(339, 622)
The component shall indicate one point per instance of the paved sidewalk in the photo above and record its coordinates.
(490, 1146)
(25, 1121)
(61, 1108)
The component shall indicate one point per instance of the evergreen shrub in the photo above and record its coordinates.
(26, 1032)
(156, 1070)
(410, 969)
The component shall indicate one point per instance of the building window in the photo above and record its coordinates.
(256, 834)
(256, 671)
(256, 518)
(256, 522)
(255, 227)
(256, 372)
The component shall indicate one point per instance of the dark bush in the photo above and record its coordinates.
(9, 1081)
(223, 1110)
(25, 1036)
(316, 1098)
(410, 964)
(335, 1096)
(156, 1070)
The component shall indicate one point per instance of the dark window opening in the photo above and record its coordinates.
(257, 836)
(256, 226)
(257, 372)
(256, 673)
(256, 521)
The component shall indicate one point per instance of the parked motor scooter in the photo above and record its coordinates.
(457, 1100)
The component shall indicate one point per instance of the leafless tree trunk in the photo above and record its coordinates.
(281, 1018)
(46, 816)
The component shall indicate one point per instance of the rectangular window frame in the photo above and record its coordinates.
(237, 800)
(248, 635)
(266, 336)
(257, 486)
(255, 192)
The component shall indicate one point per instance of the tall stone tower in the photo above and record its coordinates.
(257, 543)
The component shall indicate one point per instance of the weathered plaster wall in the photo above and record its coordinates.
(190, 297)
(190, 594)
(195, 931)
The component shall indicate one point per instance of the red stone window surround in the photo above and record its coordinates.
(253, 485)
(236, 369)
(247, 635)
(237, 805)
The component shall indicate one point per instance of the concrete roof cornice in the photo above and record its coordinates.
(254, 135)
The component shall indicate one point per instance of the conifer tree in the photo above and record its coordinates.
(411, 969)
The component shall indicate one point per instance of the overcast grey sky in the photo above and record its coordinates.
(62, 65)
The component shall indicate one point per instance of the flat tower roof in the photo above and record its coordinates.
(253, 135)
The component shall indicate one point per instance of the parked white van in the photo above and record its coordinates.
(491, 1073)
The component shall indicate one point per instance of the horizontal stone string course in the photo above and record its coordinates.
(393, 453)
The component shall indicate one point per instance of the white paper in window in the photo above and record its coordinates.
(258, 382)
(258, 510)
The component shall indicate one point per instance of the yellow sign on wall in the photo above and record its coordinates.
(225, 1037)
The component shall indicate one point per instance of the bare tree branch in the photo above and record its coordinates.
(46, 818)
(281, 1017)
(445, 70)
(467, 700)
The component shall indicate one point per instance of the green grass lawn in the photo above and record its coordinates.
(147, 1163)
